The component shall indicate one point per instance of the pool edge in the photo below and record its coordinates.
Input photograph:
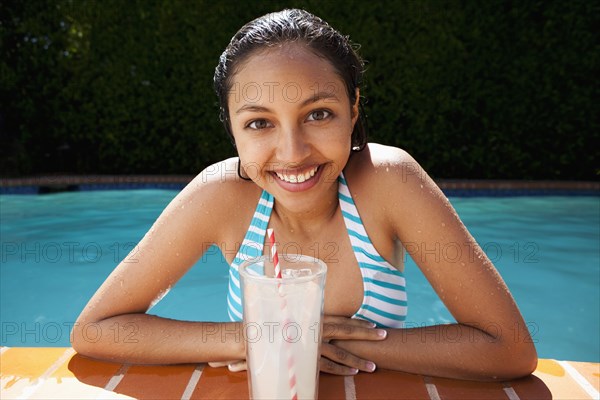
(451, 187)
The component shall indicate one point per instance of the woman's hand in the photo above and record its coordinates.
(338, 361)
(334, 360)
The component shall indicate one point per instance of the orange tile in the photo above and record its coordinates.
(558, 382)
(531, 387)
(27, 362)
(550, 367)
(219, 383)
(91, 372)
(387, 384)
(331, 387)
(21, 367)
(464, 390)
(590, 371)
(28, 372)
(63, 371)
(155, 382)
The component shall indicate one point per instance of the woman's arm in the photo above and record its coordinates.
(114, 326)
(490, 340)
(455, 351)
(148, 339)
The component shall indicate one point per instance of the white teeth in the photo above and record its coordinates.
(297, 178)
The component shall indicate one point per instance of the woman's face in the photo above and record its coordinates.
(292, 123)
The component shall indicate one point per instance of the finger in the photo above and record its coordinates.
(335, 319)
(218, 364)
(238, 366)
(330, 367)
(351, 331)
(339, 361)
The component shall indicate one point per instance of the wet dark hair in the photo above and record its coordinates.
(297, 26)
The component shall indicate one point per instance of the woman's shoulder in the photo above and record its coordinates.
(217, 202)
(219, 188)
(223, 176)
(379, 163)
(386, 173)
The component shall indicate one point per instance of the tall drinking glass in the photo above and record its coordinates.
(283, 325)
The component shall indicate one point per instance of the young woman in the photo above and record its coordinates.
(289, 89)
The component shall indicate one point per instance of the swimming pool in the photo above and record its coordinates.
(57, 249)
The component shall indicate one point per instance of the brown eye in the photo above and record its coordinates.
(318, 115)
(258, 124)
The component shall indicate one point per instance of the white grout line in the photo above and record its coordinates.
(116, 378)
(349, 387)
(3, 349)
(189, 389)
(29, 390)
(585, 385)
(431, 389)
(510, 392)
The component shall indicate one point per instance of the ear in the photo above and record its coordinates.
(355, 108)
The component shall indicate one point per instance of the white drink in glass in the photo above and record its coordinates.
(282, 326)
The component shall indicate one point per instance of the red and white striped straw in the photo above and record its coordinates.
(291, 365)
(274, 254)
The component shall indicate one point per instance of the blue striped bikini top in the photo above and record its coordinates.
(384, 294)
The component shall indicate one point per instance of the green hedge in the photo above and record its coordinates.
(472, 89)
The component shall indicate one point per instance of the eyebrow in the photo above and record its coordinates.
(317, 97)
(252, 108)
(320, 96)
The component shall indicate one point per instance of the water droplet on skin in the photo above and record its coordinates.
(421, 186)
(462, 264)
(182, 206)
(176, 254)
(443, 224)
(387, 169)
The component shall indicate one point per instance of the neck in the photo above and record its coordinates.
(307, 223)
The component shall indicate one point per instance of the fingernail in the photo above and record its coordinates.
(354, 371)
(371, 366)
(382, 333)
(373, 325)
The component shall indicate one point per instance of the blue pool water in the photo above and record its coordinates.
(57, 249)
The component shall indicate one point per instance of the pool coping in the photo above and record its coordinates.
(451, 187)
(59, 372)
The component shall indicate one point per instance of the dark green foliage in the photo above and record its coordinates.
(472, 90)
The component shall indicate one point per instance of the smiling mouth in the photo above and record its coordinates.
(297, 178)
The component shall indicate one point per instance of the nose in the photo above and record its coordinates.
(292, 147)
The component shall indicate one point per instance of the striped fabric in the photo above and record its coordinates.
(384, 296)
(252, 247)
